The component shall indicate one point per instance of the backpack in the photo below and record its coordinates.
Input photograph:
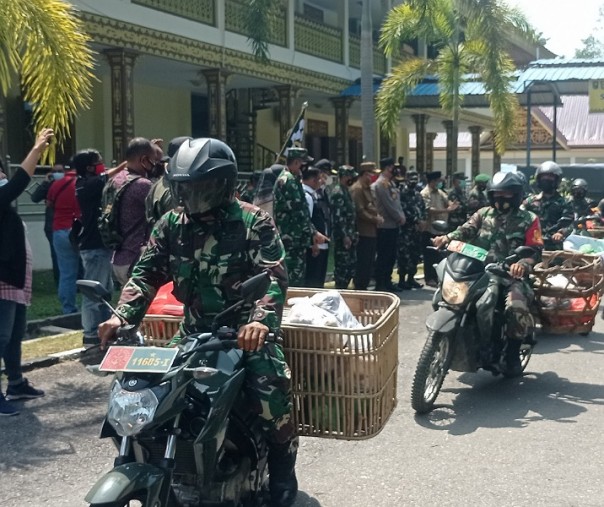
(109, 220)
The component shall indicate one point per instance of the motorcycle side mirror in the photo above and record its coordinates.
(524, 252)
(93, 290)
(255, 287)
(440, 226)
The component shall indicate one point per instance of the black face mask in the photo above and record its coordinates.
(578, 193)
(547, 186)
(504, 204)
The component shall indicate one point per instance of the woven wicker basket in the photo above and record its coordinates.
(344, 381)
(596, 232)
(159, 330)
(569, 307)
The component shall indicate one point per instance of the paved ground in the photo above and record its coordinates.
(536, 441)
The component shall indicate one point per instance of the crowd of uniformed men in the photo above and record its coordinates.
(375, 219)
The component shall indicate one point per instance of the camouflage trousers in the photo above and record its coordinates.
(409, 251)
(518, 316)
(295, 262)
(268, 388)
(344, 264)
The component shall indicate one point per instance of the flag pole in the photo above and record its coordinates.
(283, 148)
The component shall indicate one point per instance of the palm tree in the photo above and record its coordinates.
(42, 42)
(470, 37)
(367, 103)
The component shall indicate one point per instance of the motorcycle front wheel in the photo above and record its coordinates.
(431, 370)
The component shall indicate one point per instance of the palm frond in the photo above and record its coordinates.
(258, 26)
(49, 50)
(393, 92)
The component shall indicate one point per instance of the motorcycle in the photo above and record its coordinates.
(179, 418)
(461, 337)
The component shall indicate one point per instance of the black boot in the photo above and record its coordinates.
(512, 358)
(412, 283)
(283, 484)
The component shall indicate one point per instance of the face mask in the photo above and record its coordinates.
(462, 183)
(328, 181)
(3, 182)
(547, 186)
(441, 185)
(99, 168)
(58, 176)
(504, 204)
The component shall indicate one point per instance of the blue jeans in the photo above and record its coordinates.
(97, 266)
(69, 263)
(12, 330)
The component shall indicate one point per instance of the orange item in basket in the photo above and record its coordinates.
(165, 303)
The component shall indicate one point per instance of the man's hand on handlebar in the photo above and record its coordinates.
(518, 270)
(107, 330)
(557, 236)
(251, 336)
(440, 241)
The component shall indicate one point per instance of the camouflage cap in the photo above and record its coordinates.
(460, 176)
(295, 153)
(347, 171)
(482, 178)
(326, 166)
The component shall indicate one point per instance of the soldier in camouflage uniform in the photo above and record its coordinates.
(410, 235)
(477, 198)
(345, 235)
(207, 250)
(550, 206)
(580, 204)
(458, 194)
(500, 229)
(293, 218)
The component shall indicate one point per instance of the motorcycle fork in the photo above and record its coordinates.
(168, 463)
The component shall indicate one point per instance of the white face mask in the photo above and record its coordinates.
(328, 181)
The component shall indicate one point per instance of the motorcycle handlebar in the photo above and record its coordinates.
(225, 344)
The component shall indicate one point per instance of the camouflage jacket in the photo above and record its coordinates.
(343, 213)
(207, 262)
(500, 233)
(414, 207)
(477, 200)
(460, 215)
(291, 211)
(581, 207)
(158, 200)
(550, 210)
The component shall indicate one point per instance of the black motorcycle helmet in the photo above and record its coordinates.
(578, 188)
(550, 167)
(506, 182)
(202, 175)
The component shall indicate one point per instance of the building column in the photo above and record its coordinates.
(217, 124)
(496, 156)
(121, 63)
(342, 110)
(448, 124)
(420, 141)
(475, 130)
(430, 136)
(287, 96)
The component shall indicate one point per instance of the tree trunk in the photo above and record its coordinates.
(367, 109)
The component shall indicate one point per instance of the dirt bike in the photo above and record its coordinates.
(467, 330)
(179, 418)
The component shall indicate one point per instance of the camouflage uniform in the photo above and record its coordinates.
(500, 234)
(293, 221)
(158, 200)
(550, 210)
(343, 218)
(581, 207)
(460, 215)
(477, 199)
(207, 262)
(410, 238)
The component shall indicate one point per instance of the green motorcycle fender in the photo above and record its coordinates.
(124, 480)
(443, 320)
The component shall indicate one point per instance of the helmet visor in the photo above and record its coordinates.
(198, 197)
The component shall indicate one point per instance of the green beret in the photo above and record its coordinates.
(482, 178)
(347, 170)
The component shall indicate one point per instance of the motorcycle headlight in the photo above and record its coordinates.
(129, 412)
(453, 292)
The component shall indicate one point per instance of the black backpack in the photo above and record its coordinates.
(109, 221)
